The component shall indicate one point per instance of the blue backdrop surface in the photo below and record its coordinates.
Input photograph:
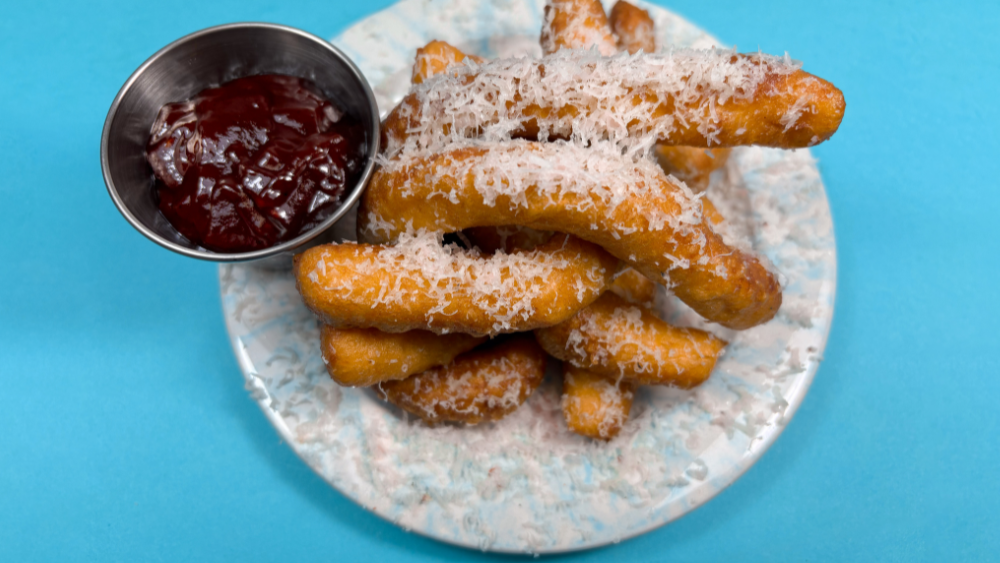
(126, 434)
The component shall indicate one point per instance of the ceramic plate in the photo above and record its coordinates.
(526, 484)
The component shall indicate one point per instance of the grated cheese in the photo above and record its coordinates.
(592, 97)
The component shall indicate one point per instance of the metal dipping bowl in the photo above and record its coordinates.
(209, 58)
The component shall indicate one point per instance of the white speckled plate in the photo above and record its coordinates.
(526, 484)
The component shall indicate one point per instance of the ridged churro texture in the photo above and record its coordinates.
(629, 209)
(572, 24)
(482, 385)
(699, 99)
(595, 405)
(359, 357)
(616, 339)
(419, 285)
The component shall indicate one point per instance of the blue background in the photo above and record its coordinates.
(126, 434)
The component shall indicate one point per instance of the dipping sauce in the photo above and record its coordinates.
(254, 162)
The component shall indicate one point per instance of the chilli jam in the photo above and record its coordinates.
(254, 162)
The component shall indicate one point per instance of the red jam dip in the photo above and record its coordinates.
(254, 162)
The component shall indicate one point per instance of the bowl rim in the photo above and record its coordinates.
(287, 246)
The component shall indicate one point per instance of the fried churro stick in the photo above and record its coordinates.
(418, 284)
(594, 405)
(695, 98)
(359, 357)
(482, 385)
(633, 27)
(435, 58)
(574, 24)
(630, 209)
(616, 339)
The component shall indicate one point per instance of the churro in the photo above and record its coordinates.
(613, 338)
(420, 284)
(359, 357)
(482, 385)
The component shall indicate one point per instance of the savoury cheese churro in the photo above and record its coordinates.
(614, 338)
(695, 98)
(419, 284)
(628, 208)
(482, 385)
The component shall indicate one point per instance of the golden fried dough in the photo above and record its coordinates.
(616, 339)
(595, 405)
(418, 284)
(482, 385)
(691, 165)
(359, 357)
(633, 27)
(628, 208)
(435, 58)
(574, 24)
(711, 213)
(633, 287)
(703, 99)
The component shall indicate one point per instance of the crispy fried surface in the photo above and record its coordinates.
(482, 385)
(721, 283)
(633, 287)
(691, 165)
(711, 213)
(435, 58)
(359, 357)
(571, 24)
(594, 405)
(792, 110)
(633, 27)
(616, 339)
(396, 290)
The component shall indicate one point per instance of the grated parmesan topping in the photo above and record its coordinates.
(466, 101)
(497, 386)
(624, 334)
(504, 286)
(566, 174)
